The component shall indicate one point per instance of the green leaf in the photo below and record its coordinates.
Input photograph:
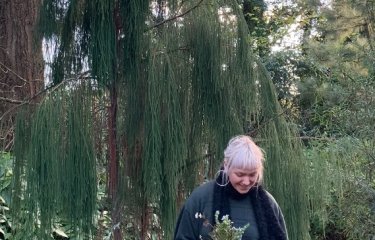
(60, 233)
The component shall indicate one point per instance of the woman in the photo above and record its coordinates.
(236, 192)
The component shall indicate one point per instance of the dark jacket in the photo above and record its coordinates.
(197, 215)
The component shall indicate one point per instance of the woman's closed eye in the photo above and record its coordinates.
(244, 174)
(241, 174)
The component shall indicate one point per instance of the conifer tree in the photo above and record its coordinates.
(173, 81)
(337, 79)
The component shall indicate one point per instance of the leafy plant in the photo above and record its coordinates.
(5, 175)
(5, 181)
(224, 229)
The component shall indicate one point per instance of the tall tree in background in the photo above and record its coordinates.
(257, 23)
(344, 57)
(335, 70)
(21, 62)
(173, 81)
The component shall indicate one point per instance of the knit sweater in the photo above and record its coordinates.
(205, 200)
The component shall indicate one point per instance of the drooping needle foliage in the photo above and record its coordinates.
(55, 159)
(179, 79)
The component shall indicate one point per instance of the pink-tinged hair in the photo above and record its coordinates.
(242, 153)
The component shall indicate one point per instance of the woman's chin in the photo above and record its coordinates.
(243, 190)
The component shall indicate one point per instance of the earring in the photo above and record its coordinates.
(223, 177)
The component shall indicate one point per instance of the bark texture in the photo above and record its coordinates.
(21, 62)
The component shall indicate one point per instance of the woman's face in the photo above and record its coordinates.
(243, 179)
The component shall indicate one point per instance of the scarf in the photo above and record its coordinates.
(268, 223)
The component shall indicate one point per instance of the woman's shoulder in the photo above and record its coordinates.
(201, 194)
(203, 190)
(272, 201)
(277, 212)
(269, 196)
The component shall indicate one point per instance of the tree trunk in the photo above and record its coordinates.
(21, 62)
(113, 163)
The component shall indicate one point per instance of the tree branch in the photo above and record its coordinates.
(10, 70)
(14, 101)
(175, 17)
(50, 88)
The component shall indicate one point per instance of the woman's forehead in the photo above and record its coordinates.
(245, 170)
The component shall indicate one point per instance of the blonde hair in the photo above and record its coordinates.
(241, 152)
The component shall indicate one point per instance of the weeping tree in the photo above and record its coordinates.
(55, 165)
(169, 82)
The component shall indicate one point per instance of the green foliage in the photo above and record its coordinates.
(279, 136)
(6, 162)
(337, 79)
(342, 207)
(258, 28)
(332, 77)
(224, 230)
(268, 23)
(182, 79)
(283, 67)
(102, 40)
(60, 164)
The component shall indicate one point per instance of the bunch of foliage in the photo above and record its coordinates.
(223, 228)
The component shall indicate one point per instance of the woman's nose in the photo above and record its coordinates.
(246, 181)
